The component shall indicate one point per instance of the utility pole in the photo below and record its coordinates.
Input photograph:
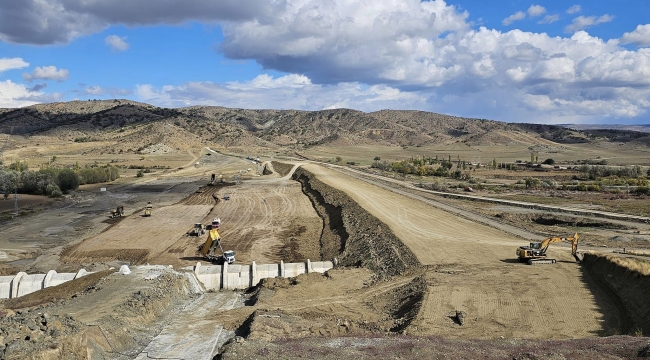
(16, 201)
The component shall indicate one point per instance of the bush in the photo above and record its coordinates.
(140, 173)
(549, 162)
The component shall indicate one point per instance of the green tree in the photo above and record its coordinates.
(68, 180)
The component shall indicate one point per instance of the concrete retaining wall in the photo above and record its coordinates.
(216, 277)
(23, 284)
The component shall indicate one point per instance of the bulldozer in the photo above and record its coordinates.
(117, 212)
(209, 249)
(147, 209)
(535, 254)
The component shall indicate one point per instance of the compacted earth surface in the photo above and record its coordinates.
(416, 276)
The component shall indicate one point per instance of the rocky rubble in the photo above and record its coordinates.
(25, 332)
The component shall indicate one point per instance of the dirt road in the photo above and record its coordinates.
(476, 272)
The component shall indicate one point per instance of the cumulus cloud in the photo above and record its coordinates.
(17, 95)
(290, 91)
(116, 43)
(47, 73)
(536, 10)
(583, 22)
(372, 54)
(61, 21)
(574, 9)
(519, 15)
(12, 64)
(639, 37)
(549, 19)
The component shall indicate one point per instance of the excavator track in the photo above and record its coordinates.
(541, 261)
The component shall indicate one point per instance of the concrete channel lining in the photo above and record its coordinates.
(22, 283)
(231, 277)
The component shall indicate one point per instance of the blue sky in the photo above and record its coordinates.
(540, 61)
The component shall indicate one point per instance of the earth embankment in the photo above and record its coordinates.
(629, 287)
(282, 168)
(352, 234)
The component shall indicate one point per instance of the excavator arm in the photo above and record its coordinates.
(536, 253)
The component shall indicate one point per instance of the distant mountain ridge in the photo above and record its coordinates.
(638, 127)
(100, 120)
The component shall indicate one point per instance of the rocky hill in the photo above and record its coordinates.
(142, 124)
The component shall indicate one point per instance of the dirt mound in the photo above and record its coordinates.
(631, 286)
(352, 234)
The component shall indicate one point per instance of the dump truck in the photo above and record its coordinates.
(535, 254)
(117, 212)
(147, 209)
(212, 246)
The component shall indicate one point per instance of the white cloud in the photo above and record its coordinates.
(17, 95)
(639, 37)
(549, 19)
(12, 63)
(583, 22)
(61, 21)
(519, 15)
(536, 10)
(574, 9)
(93, 90)
(47, 73)
(116, 43)
(290, 92)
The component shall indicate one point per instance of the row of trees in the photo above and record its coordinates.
(52, 181)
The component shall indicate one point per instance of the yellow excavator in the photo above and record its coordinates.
(535, 254)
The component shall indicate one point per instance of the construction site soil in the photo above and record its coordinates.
(405, 268)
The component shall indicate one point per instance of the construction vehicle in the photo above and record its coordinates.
(209, 249)
(535, 254)
(117, 212)
(197, 230)
(213, 180)
(147, 209)
(216, 223)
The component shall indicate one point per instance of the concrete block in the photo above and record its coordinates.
(321, 266)
(14, 284)
(82, 272)
(30, 283)
(5, 286)
(294, 269)
(60, 278)
(48, 278)
(254, 278)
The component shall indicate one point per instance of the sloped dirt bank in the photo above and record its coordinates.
(352, 234)
(630, 288)
(281, 168)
